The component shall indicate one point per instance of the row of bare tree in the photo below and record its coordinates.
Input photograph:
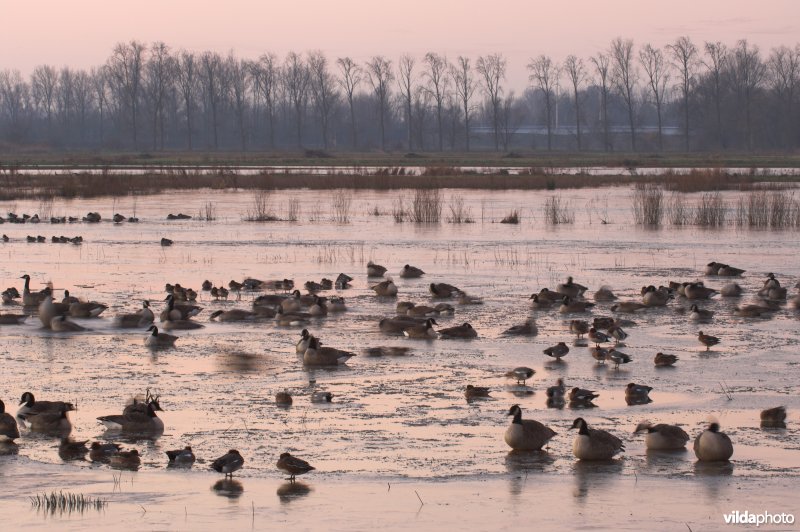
(680, 97)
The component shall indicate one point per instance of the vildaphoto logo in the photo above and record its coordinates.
(764, 518)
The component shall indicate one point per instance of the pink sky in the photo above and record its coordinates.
(81, 33)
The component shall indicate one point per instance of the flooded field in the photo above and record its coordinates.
(400, 419)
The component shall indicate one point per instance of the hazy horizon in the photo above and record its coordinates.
(81, 34)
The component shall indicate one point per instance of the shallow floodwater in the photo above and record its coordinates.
(400, 418)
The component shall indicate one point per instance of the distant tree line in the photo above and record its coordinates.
(682, 97)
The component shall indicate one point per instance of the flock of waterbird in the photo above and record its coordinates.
(289, 307)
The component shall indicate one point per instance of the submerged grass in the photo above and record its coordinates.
(66, 502)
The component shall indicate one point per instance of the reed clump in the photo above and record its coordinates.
(558, 211)
(66, 502)
(511, 218)
(711, 211)
(340, 205)
(459, 212)
(648, 204)
(426, 206)
(260, 209)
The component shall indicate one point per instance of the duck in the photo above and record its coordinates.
(421, 311)
(476, 392)
(207, 286)
(313, 287)
(12, 319)
(443, 290)
(183, 456)
(628, 307)
(318, 308)
(317, 355)
(283, 398)
(287, 319)
(726, 270)
(557, 351)
(749, 311)
(303, 342)
(617, 333)
(707, 340)
(343, 281)
(617, 357)
(375, 270)
(293, 466)
(411, 272)
(398, 324)
(594, 444)
(69, 449)
(166, 242)
(698, 314)
(526, 434)
(422, 331)
(52, 423)
(557, 391)
(526, 329)
(521, 374)
(712, 268)
(174, 311)
(540, 303)
(569, 305)
(125, 460)
(570, 288)
(698, 291)
(68, 299)
(402, 307)
(466, 299)
(598, 337)
(663, 437)
(29, 405)
(654, 297)
(62, 324)
(580, 395)
(159, 339)
(390, 351)
(465, 330)
(321, 397)
(599, 354)
(139, 421)
(636, 394)
(604, 293)
(181, 325)
(579, 328)
(135, 319)
(774, 417)
(234, 314)
(385, 288)
(102, 452)
(9, 431)
(662, 360)
(711, 445)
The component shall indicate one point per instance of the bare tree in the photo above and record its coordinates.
(684, 56)
(84, 96)
(238, 71)
(269, 81)
(125, 70)
(158, 79)
(784, 76)
(602, 64)
(405, 79)
(545, 74)
(350, 78)
(211, 75)
(323, 89)
(716, 63)
(492, 71)
(748, 72)
(576, 73)
(296, 79)
(464, 83)
(187, 78)
(14, 98)
(437, 86)
(625, 77)
(100, 90)
(655, 66)
(379, 73)
(65, 96)
(43, 84)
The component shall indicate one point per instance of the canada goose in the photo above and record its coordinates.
(317, 355)
(29, 405)
(557, 391)
(465, 330)
(70, 449)
(12, 319)
(598, 337)
(526, 434)
(293, 303)
(711, 445)
(68, 299)
(157, 339)
(375, 270)
(617, 357)
(411, 272)
(283, 398)
(594, 444)
(774, 417)
(773, 293)
(52, 423)
(385, 288)
(343, 281)
(663, 437)
(142, 406)
(526, 329)
(749, 311)
(403, 307)
(176, 311)
(181, 325)
(522, 374)
(291, 319)
(578, 327)
(729, 271)
(604, 293)
(321, 397)
(628, 307)
(557, 351)
(313, 287)
(136, 319)
(707, 340)
(397, 325)
(571, 288)
(569, 305)
(183, 456)
(387, 351)
(102, 452)
(9, 431)
(443, 290)
(540, 303)
(318, 308)
(445, 309)
(293, 466)
(302, 344)
(126, 460)
(466, 299)
(136, 421)
(599, 354)
(234, 314)
(698, 314)
(476, 392)
(49, 310)
(62, 324)
(422, 331)
(637, 394)
(580, 395)
(654, 297)
(712, 268)
(698, 291)
(89, 309)
(662, 360)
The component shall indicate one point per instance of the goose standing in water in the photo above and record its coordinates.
(663, 437)
(317, 355)
(526, 434)
(159, 339)
(422, 331)
(711, 445)
(594, 444)
(137, 421)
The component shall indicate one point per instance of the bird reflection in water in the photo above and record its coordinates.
(594, 475)
(290, 491)
(230, 488)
